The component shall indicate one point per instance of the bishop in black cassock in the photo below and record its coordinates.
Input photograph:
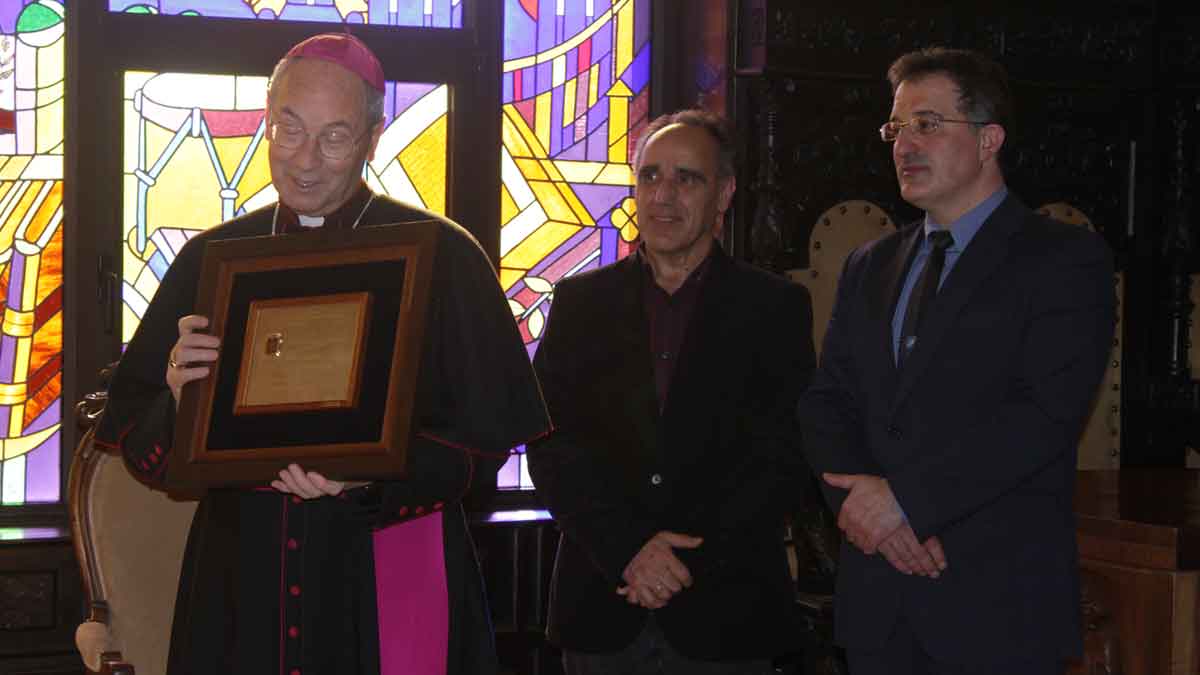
(379, 578)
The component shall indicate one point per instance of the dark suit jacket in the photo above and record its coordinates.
(976, 435)
(721, 462)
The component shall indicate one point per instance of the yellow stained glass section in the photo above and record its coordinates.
(32, 69)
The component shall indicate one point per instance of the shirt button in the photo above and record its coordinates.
(665, 356)
(895, 433)
(656, 479)
(293, 544)
(293, 632)
(294, 590)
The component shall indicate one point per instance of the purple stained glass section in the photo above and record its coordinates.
(410, 13)
(398, 96)
(41, 472)
(9, 11)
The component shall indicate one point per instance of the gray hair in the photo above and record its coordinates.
(717, 127)
(372, 97)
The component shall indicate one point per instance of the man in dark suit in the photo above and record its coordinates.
(945, 420)
(672, 377)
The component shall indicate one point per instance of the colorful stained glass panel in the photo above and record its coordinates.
(575, 98)
(195, 156)
(32, 37)
(413, 13)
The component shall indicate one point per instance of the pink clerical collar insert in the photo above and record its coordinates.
(345, 50)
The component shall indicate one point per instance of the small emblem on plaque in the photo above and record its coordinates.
(275, 344)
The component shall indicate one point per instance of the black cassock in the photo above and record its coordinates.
(272, 583)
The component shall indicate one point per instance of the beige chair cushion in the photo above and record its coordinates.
(836, 233)
(139, 535)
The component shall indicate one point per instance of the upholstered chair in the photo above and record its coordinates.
(129, 540)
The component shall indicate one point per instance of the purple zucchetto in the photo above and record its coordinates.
(345, 50)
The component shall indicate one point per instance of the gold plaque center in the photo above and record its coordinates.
(325, 337)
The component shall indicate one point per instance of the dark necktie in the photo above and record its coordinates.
(923, 293)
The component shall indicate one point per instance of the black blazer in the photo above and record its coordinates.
(721, 461)
(976, 435)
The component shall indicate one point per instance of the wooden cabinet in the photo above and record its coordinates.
(1139, 547)
(41, 602)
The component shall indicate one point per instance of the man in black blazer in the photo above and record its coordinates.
(672, 378)
(947, 439)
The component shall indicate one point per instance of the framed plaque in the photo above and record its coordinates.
(321, 335)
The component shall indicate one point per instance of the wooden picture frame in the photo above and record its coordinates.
(321, 338)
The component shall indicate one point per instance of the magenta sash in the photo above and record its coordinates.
(411, 596)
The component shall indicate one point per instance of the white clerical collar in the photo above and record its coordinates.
(311, 221)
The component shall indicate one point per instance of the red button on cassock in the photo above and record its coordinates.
(294, 590)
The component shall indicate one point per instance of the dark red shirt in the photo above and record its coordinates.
(667, 319)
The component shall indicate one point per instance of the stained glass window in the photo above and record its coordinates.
(31, 184)
(417, 13)
(575, 98)
(195, 156)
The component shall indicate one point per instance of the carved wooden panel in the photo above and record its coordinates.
(1063, 42)
(851, 37)
(827, 151)
(27, 600)
(1179, 50)
(1073, 146)
(41, 600)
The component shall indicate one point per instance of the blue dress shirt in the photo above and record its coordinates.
(963, 230)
